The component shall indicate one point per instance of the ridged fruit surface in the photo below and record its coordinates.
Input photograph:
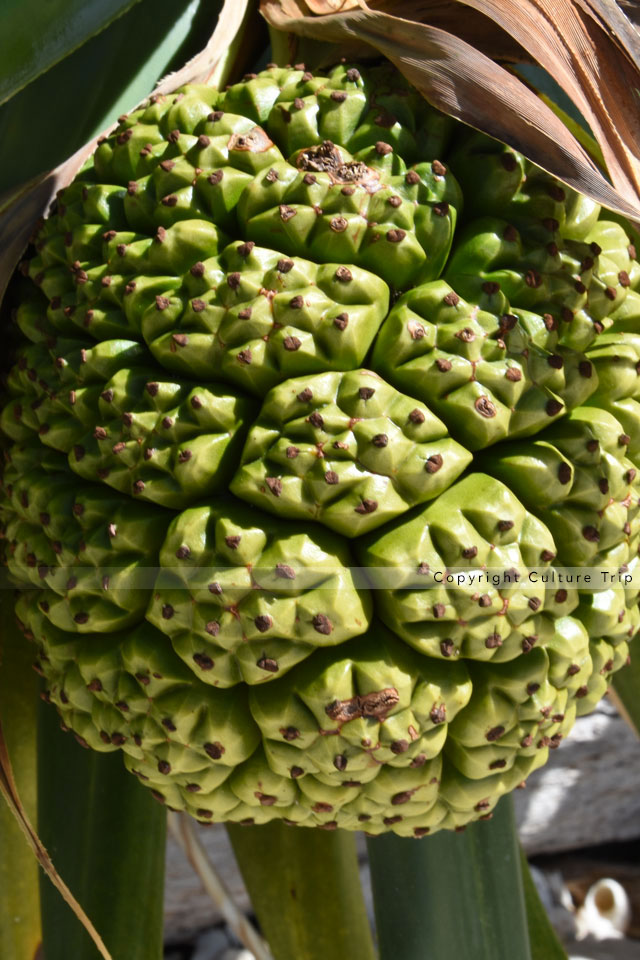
(316, 391)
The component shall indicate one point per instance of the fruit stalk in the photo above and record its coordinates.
(305, 889)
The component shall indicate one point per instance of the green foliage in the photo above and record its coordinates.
(63, 26)
(106, 837)
(452, 895)
(73, 101)
(19, 903)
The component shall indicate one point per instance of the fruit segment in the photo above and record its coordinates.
(347, 450)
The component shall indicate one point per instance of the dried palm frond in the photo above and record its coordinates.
(454, 53)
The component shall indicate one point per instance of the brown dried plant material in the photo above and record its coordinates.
(472, 26)
(577, 41)
(592, 53)
(332, 6)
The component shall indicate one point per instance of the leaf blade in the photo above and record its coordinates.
(10, 793)
(451, 895)
(63, 26)
(625, 693)
(106, 834)
(20, 932)
(579, 50)
(542, 937)
(134, 53)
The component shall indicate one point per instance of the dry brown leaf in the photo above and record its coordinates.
(472, 26)
(333, 6)
(631, 9)
(9, 791)
(617, 15)
(586, 60)
(294, 8)
(467, 84)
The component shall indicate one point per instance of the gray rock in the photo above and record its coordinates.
(211, 944)
(605, 950)
(588, 792)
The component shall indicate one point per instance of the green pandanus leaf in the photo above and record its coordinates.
(134, 52)
(305, 889)
(106, 836)
(626, 690)
(19, 913)
(452, 895)
(61, 27)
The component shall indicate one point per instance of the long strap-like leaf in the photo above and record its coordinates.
(135, 51)
(590, 49)
(20, 899)
(626, 689)
(233, 41)
(451, 895)
(106, 835)
(305, 888)
(36, 35)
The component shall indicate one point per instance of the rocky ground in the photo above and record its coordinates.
(589, 789)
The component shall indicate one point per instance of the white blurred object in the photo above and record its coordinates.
(605, 913)
(234, 954)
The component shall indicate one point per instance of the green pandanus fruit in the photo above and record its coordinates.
(316, 394)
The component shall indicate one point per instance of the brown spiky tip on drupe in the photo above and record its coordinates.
(268, 664)
(485, 407)
(553, 407)
(344, 275)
